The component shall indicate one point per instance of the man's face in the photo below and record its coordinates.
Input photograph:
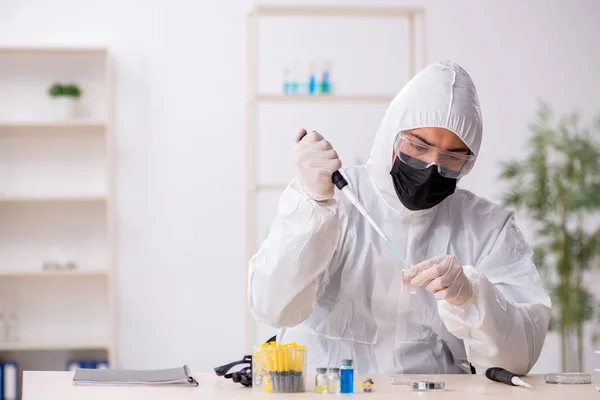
(440, 138)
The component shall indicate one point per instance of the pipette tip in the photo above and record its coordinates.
(520, 382)
(394, 249)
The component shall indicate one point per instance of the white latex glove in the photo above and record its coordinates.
(316, 162)
(444, 277)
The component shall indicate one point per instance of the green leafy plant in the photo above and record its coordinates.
(68, 90)
(557, 185)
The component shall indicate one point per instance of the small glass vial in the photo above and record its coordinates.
(407, 288)
(347, 377)
(321, 381)
(333, 380)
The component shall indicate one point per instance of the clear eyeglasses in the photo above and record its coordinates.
(420, 155)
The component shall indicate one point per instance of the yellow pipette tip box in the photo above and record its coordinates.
(279, 368)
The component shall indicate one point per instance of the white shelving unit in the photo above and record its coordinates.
(43, 346)
(59, 273)
(22, 199)
(321, 99)
(57, 199)
(415, 37)
(50, 124)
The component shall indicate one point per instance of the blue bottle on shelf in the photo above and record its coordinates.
(312, 81)
(325, 80)
(294, 86)
(347, 377)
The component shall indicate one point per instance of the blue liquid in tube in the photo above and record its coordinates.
(394, 249)
(347, 377)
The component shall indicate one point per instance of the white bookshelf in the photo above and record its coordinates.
(349, 106)
(54, 50)
(6, 126)
(50, 198)
(57, 205)
(45, 346)
(53, 274)
(344, 98)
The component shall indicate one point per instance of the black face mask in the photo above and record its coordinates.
(420, 189)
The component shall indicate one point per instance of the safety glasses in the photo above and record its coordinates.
(419, 155)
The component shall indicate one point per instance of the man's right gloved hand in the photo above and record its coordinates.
(316, 162)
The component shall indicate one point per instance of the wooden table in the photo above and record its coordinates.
(38, 385)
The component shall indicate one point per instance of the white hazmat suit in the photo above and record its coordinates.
(326, 278)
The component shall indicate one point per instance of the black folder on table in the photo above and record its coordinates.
(171, 376)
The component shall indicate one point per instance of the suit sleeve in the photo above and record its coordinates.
(295, 259)
(507, 322)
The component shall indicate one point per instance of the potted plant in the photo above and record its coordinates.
(557, 185)
(64, 100)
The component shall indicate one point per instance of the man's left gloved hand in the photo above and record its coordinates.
(444, 277)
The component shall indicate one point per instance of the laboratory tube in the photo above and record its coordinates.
(321, 384)
(333, 380)
(347, 377)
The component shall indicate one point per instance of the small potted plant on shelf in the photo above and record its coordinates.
(64, 97)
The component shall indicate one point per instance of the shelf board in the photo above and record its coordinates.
(323, 98)
(51, 124)
(53, 345)
(49, 199)
(270, 187)
(52, 50)
(336, 11)
(52, 273)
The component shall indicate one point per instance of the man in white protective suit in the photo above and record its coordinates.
(327, 280)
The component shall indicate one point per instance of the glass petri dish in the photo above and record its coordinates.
(568, 378)
(427, 385)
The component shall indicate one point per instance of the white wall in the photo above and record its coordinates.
(180, 122)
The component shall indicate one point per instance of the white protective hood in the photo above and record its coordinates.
(441, 96)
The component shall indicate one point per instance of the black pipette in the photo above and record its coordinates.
(338, 180)
(342, 184)
(503, 376)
